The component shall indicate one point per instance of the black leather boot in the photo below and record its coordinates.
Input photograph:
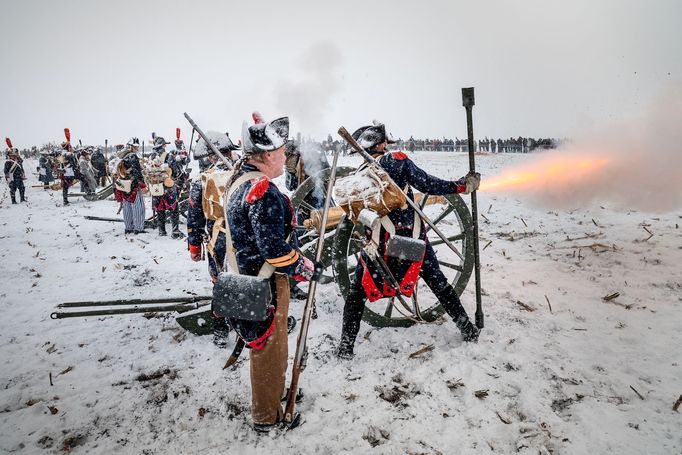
(469, 331)
(175, 224)
(161, 222)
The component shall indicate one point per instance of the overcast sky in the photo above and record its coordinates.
(116, 69)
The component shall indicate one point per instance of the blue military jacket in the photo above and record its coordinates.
(263, 228)
(261, 219)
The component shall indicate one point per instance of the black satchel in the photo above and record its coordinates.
(242, 297)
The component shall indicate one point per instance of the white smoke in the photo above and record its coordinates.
(643, 162)
(308, 98)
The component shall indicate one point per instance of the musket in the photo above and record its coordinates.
(372, 162)
(468, 103)
(208, 142)
(301, 349)
(191, 140)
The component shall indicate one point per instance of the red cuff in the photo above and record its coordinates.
(195, 249)
(460, 188)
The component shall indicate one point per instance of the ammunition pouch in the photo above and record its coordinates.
(242, 297)
(406, 248)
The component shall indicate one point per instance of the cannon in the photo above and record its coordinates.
(103, 193)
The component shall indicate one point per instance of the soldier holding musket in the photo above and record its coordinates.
(262, 224)
(206, 221)
(14, 173)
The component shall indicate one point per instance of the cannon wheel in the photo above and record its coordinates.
(454, 220)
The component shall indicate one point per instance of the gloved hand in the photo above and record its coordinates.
(195, 252)
(304, 270)
(469, 183)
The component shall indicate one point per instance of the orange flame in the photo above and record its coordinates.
(548, 172)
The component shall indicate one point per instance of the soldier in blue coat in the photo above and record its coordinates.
(15, 175)
(262, 225)
(200, 229)
(368, 279)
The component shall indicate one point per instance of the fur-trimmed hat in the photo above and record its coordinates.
(371, 135)
(266, 136)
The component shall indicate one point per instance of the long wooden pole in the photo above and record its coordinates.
(468, 103)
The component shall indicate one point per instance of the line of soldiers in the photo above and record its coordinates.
(255, 235)
(68, 166)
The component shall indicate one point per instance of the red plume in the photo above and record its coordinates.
(8, 142)
(177, 133)
(67, 134)
(257, 118)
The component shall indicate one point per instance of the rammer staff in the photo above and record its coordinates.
(468, 103)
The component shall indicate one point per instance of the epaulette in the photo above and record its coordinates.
(258, 190)
(399, 156)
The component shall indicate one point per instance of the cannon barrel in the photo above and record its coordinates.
(336, 213)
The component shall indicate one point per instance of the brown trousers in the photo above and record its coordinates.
(269, 364)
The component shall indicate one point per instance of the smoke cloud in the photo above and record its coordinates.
(635, 164)
(308, 98)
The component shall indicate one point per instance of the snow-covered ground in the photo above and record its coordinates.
(582, 376)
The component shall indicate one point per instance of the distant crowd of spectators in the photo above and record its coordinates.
(511, 145)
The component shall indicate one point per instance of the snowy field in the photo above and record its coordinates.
(565, 371)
